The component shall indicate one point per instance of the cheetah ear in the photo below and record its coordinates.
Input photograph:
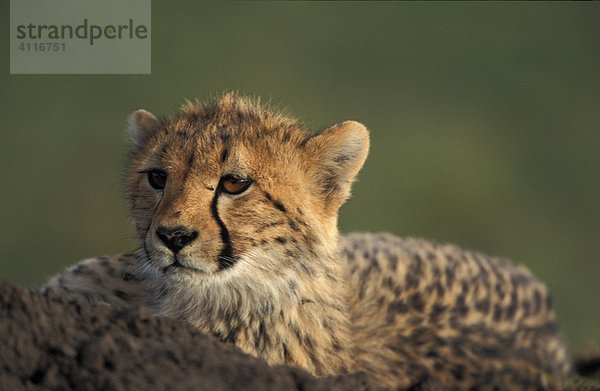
(142, 125)
(336, 155)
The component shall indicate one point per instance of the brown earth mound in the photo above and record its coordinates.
(47, 343)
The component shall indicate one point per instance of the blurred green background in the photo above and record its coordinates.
(485, 125)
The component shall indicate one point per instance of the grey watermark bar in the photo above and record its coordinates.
(80, 36)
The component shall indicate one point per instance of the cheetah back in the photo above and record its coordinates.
(422, 308)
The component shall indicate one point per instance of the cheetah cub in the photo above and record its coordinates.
(236, 211)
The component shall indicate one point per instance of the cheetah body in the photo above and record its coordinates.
(236, 210)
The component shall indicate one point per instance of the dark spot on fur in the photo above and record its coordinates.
(500, 290)
(306, 269)
(432, 354)
(435, 270)
(393, 260)
(128, 276)
(374, 261)
(398, 307)
(458, 372)
(464, 287)
(350, 255)
(266, 308)
(388, 282)
(224, 155)
(526, 306)
(341, 159)
(437, 310)
(225, 135)
(231, 337)
(303, 142)
(416, 301)
(268, 224)
(81, 270)
(366, 272)
(362, 290)
(497, 313)
(336, 345)
(291, 254)
(301, 222)
(512, 307)
(519, 279)
(439, 288)
(483, 305)
(287, 357)
(449, 276)
(293, 226)
(439, 341)
(279, 206)
(262, 339)
(461, 307)
(275, 203)
(396, 349)
(281, 240)
(413, 274)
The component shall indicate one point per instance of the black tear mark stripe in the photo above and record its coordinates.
(226, 256)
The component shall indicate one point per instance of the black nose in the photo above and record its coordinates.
(176, 238)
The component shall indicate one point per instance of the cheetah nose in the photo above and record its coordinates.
(176, 238)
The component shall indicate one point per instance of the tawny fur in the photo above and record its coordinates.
(268, 271)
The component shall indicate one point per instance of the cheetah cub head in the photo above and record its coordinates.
(232, 201)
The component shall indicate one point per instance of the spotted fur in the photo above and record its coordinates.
(266, 269)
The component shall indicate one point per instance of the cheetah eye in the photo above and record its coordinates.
(157, 179)
(233, 185)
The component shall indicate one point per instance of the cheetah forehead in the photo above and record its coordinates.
(233, 121)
